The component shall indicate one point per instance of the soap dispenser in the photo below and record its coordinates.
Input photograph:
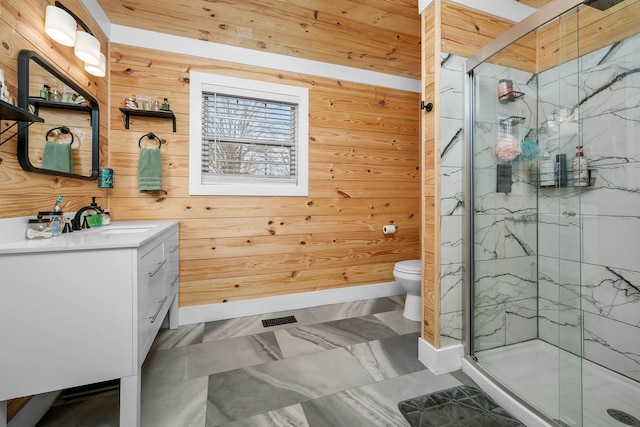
(94, 204)
(580, 171)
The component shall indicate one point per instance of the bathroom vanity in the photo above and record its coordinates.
(85, 307)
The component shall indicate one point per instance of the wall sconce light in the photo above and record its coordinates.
(87, 48)
(61, 25)
(97, 70)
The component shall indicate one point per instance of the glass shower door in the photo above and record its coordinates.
(526, 222)
(559, 221)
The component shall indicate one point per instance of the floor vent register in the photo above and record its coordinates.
(278, 321)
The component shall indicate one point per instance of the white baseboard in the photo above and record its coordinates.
(521, 412)
(440, 360)
(230, 310)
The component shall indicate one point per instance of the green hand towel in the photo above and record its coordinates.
(149, 170)
(57, 157)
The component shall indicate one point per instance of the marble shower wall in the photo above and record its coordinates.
(505, 227)
(554, 263)
(505, 224)
(452, 199)
(589, 238)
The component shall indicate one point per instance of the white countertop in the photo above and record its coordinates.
(120, 234)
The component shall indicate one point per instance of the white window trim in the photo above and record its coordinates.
(200, 82)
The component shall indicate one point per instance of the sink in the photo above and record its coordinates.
(125, 230)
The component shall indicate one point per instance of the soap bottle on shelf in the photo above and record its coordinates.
(165, 105)
(561, 170)
(580, 171)
(45, 93)
(546, 170)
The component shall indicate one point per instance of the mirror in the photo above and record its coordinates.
(67, 143)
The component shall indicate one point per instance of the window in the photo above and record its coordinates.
(247, 137)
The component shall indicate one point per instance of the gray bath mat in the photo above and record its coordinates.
(460, 406)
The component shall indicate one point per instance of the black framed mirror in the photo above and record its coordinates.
(67, 143)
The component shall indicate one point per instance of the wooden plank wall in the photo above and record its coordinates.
(431, 176)
(364, 173)
(22, 27)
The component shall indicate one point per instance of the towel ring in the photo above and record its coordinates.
(63, 129)
(150, 135)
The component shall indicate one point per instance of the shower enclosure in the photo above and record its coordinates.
(554, 241)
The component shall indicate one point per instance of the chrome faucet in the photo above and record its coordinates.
(79, 221)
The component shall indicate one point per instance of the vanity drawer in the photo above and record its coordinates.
(152, 300)
(172, 279)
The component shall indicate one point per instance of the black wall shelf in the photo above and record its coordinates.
(43, 103)
(11, 112)
(163, 114)
(39, 102)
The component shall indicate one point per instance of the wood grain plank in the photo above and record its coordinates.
(229, 247)
(221, 268)
(270, 284)
(195, 207)
(322, 31)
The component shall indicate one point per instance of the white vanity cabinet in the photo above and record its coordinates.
(158, 280)
(85, 308)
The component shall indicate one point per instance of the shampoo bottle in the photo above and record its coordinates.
(546, 170)
(580, 171)
(561, 170)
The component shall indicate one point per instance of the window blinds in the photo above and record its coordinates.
(245, 138)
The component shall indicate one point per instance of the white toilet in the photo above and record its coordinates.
(409, 275)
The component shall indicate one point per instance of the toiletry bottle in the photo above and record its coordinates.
(106, 217)
(165, 105)
(56, 95)
(561, 170)
(580, 171)
(546, 170)
(45, 92)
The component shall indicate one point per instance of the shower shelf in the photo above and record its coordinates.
(592, 181)
(510, 97)
(512, 121)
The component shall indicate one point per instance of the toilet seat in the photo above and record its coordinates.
(413, 266)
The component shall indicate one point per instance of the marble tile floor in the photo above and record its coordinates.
(344, 364)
